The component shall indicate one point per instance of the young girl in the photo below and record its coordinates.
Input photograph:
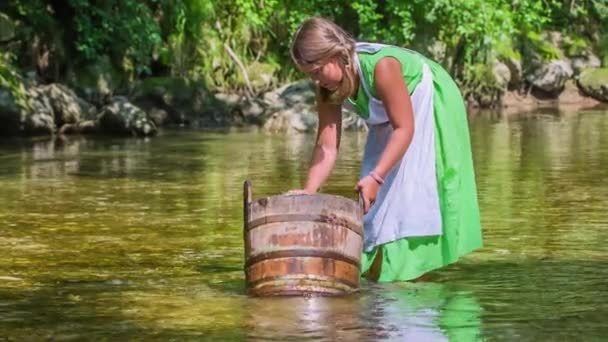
(417, 178)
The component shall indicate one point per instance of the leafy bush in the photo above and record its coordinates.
(226, 44)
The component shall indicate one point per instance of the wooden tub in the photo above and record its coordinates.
(302, 244)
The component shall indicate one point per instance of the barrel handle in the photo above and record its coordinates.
(246, 200)
(246, 216)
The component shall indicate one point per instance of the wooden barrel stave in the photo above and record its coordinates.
(307, 274)
(331, 209)
(300, 237)
(300, 286)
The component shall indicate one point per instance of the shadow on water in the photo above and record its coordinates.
(226, 279)
(59, 312)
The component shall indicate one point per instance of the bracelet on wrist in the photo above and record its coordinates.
(376, 177)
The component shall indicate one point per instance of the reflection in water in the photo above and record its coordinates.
(119, 239)
(397, 312)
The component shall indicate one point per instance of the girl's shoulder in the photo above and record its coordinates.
(378, 49)
(370, 54)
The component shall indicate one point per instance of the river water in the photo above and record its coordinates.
(141, 239)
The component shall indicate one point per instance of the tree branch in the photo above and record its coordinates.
(242, 67)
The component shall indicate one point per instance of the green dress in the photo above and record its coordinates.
(406, 252)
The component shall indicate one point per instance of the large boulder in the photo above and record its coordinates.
(511, 58)
(298, 119)
(502, 73)
(68, 108)
(546, 67)
(25, 110)
(594, 82)
(292, 109)
(580, 63)
(515, 71)
(48, 108)
(243, 110)
(39, 118)
(120, 117)
(550, 77)
(484, 85)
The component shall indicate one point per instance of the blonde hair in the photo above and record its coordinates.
(316, 41)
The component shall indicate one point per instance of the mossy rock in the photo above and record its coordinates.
(509, 56)
(549, 78)
(120, 117)
(594, 82)
(39, 118)
(68, 108)
(483, 83)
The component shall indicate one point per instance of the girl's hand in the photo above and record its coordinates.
(368, 187)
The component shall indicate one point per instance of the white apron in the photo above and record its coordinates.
(407, 203)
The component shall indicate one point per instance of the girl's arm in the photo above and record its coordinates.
(393, 92)
(327, 144)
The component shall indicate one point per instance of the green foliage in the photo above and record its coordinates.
(10, 80)
(505, 50)
(242, 45)
(369, 18)
(121, 28)
(533, 15)
(537, 44)
(575, 45)
(182, 29)
(34, 12)
(595, 78)
(600, 12)
(578, 15)
(603, 49)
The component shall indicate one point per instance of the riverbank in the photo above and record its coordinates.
(154, 103)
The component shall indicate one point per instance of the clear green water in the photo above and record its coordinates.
(125, 239)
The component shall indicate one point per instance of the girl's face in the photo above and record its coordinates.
(328, 75)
